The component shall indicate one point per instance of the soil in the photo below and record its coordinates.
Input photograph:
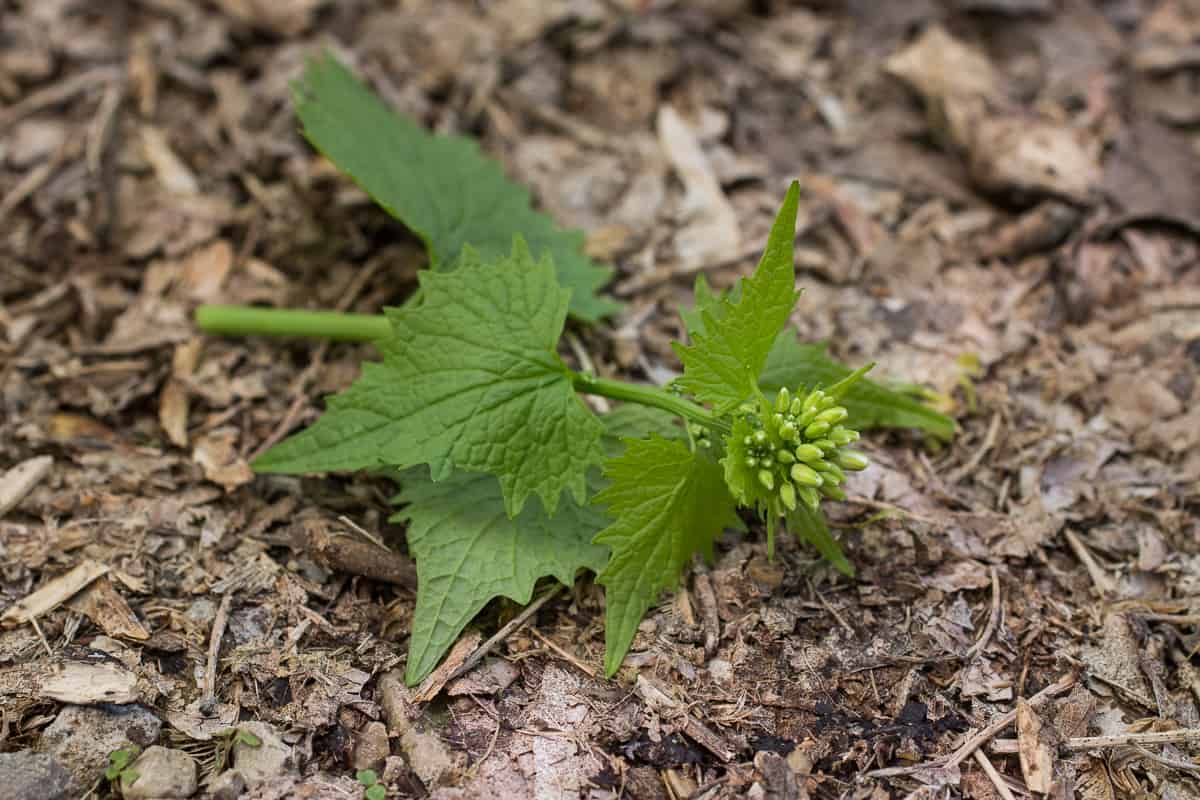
(1001, 205)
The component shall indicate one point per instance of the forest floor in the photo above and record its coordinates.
(1001, 203)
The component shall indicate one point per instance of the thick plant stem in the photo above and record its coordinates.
(647, 396)
(250, 321)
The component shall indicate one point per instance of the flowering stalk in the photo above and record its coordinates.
(792, 449)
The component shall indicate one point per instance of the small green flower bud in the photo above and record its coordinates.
(766, 479)
(787, 493)
(833, 492)
(842, 436)
(767, 462)
(852, 460)
(809, 452)
(813, 401)
(829, 478)
(787, 431)
(827, 401)
(760, 437)
(805, 475)
(804, 419)
(751, 462)
(816, 430)
(810, 496)
(833, 415)
(785, 457)
(836, 471)
(783, 400)
(797, 406)
(748, 441)
(825, 445)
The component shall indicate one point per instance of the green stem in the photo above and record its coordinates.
(647, 396)
(249, 321)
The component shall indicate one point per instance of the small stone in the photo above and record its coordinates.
(227, 786)
(81, 737)
(26, 775)
(372, 747)
(270, 758)
(160, 773)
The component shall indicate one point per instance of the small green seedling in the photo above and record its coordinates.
(118, 772)
(225, 741)
(473, 411)
(374, 790)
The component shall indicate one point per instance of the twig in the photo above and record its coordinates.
(995, 777)
(1174, 763)
(38, 629)
(35, 179)
(57, 93)
(1100, 579)
(345, 553)
(993, 619)
(208, 698)
(989, 441)
(1081, 744)
(1176, 619)
(832, 611)
(502, 634)
(1156, 738)
(977, 740)
(563, 654)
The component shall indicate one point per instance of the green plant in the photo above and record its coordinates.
(374, 790)
(473, 412)
(119, 771)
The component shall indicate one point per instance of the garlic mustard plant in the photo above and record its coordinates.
(473, 411)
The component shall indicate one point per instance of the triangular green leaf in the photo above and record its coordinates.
(469, 380)
(443, 188)
(791, 364)
(669, 503)
(468, 551)
(722, 364)
(871, 405)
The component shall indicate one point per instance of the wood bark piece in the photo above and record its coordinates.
(357, 557)
(54, 593)
(20, 480)
(87, 684)
(1037, 760)
(103, 604)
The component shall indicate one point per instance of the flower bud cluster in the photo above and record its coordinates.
(796, 448)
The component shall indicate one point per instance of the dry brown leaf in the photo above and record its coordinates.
(104, 606)
(710, 233)
(216, 453)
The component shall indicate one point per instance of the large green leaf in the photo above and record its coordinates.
(468, 552)
(443, 188)
(469, 380)
(722, 363)
(669, 503)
